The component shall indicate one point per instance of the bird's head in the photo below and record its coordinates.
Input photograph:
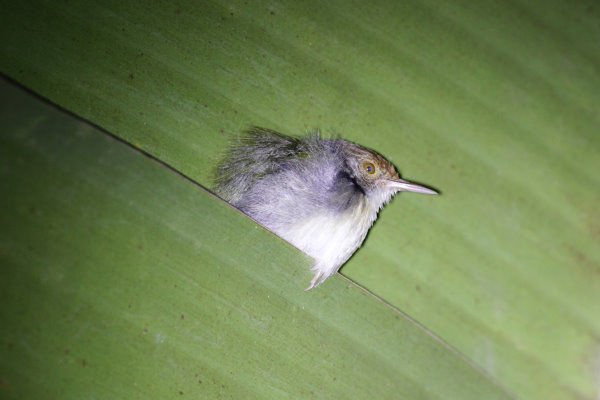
(376, 176)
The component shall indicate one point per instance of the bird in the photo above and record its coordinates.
(321, 195)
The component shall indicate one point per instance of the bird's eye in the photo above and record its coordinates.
(369, 168)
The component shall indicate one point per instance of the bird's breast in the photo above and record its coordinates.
(331, 238)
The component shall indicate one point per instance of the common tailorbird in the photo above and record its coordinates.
(321, 195)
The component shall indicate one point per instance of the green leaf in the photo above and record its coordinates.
(121, 278)
(493, 103)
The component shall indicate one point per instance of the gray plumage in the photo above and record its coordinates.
(322, 195)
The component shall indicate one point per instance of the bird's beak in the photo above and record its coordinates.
(402, 185)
